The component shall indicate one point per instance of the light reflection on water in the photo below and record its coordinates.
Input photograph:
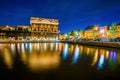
(101, 61)
(65, 51)
(76, 54)
(42, 56)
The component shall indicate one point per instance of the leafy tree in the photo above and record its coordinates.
(94, 33)
(69, 34)
(112, 31)
(65, 35)
(74, 33)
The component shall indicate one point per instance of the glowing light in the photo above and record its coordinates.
(51, 47)
(35, 46)
(71, 49)
(56, 46)
(60, 46)
(81, 49)
(107, 55)
(12, 48)
(114, 56)
(88, 51)
(102, 31)
(45, 46)
(43, 62)
(24, 58)
(76, 55)
(38, 46)
(18, 47)
(7, 58)
(101, 62)
(111, 54)
(30, 47)
(65, 51)
(26, 46)
(95, 58)
(23, 49)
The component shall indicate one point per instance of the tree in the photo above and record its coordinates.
(65, 35)
(112, 31)
(94, 33)
(69, 35)
(74, 33)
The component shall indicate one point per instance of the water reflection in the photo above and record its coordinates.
(7, 57)
(95, 58)
(101, 61)
(76, 54)
(12, 46)
(40, 62)
(65, 51)
(42, 56)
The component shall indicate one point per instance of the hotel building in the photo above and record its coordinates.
(43, 28)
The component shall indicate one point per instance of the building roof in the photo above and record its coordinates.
(43, 21)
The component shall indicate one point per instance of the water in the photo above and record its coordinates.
(57, 61)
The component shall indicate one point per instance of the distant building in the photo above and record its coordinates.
(7, 32)
(43, 28)
(118, 30)
(23, 32)
(103, 32)
(90, 30)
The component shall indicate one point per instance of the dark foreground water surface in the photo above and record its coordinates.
(58, 61)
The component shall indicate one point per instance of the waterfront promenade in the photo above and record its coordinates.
(90, 43)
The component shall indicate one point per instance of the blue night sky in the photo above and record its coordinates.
(72, 14)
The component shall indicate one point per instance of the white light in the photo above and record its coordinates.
(13, 48)
(102, 31)
(56, 46)
(101, 62)
(23, 48)
(65, 51)
(38, 46)
(76, 55)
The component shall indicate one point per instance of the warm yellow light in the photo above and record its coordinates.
(43, 62)
(7, 58)
(95, 58)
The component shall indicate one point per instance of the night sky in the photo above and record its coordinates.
(72, 14)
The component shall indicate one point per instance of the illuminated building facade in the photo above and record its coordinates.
(94, 32)
(15, 32)
(118, 30)
(103, 32)
(88, 34)
(23, 32)
(7, 32)
(91, 32)
(43, 28)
